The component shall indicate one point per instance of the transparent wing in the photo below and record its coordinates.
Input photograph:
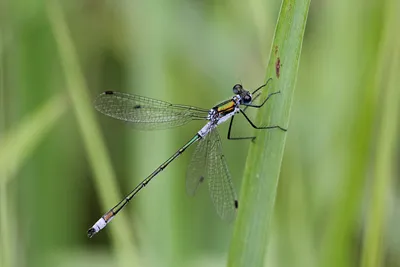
(146, 113)
(208, 162)
(196, 171)
(219, 179)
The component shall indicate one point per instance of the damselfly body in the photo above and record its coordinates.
(208, 161)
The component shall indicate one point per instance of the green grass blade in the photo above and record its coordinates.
(94, 144)
(256, 203)
(382, 176)
(15, 147)
(387, 141)
(18, 143)
(5, 219)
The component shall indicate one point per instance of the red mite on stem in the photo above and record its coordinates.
(278, 67)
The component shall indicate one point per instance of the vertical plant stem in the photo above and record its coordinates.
(4, 219)
(94, 144)
(15, 147)
(386, 144)
(256, 203)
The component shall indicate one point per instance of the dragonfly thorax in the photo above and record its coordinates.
(226, 108)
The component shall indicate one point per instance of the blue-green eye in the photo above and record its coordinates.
(246, 99)
(237, 89)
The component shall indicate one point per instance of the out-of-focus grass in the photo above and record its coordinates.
(16, 146)
(249, 243)
(19, 143)
(387, 140)
(357, 135)
(5, 218)
(193, 52)
(98, 157)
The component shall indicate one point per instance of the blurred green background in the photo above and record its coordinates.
(191, 52)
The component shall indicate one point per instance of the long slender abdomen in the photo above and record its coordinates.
(106, 218)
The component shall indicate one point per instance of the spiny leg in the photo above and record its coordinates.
(263, 127)
(237, 138)
(265, 84)
(262, 104)
(231, 122)
(248, 119)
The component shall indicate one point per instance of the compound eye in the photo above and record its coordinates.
(247, 99)
(237, 89)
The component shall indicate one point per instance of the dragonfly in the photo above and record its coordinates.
(208, 161)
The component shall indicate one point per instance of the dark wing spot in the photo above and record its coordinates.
(108, 92)
(236, 204)
(137, 106)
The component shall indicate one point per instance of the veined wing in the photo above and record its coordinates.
(145, 113)
(208, 162)
(220, 184)
(196, 171)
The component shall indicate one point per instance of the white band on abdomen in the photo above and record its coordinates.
(100, 224)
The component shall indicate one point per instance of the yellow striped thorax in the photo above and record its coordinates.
(227, 106)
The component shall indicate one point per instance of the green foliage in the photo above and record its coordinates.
(387, 135)
(63, 165)
(260, 183)
(94, 145)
